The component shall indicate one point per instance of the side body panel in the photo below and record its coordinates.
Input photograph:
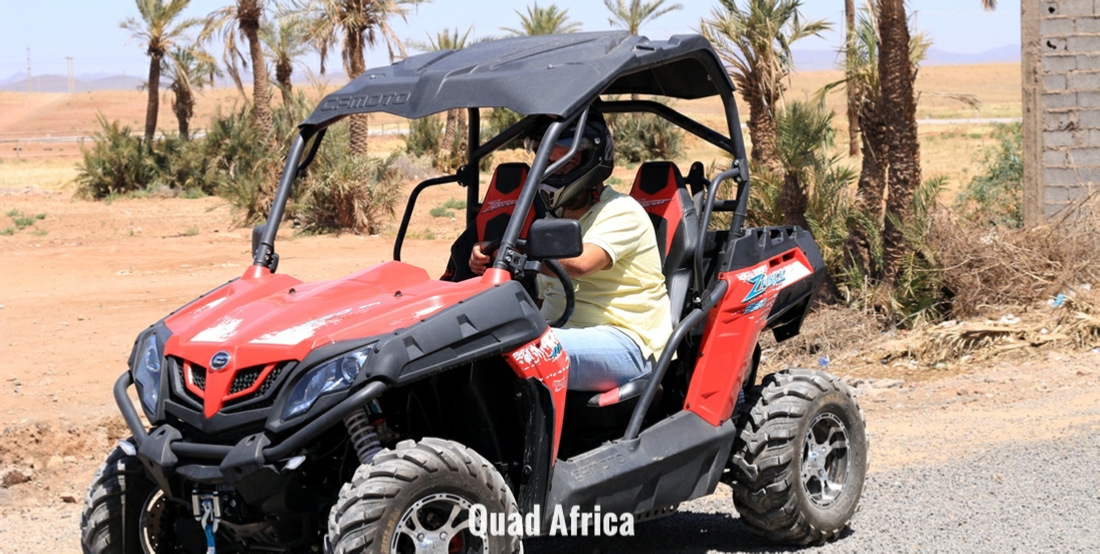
(762, 269)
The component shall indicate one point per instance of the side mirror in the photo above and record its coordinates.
(552, 239)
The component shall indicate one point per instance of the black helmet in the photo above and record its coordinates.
(597, 160)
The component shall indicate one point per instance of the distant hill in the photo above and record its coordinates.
(805, 60)
(820, 60)
(60, 83)
(17, 82)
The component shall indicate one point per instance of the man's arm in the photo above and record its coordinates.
(592, 259)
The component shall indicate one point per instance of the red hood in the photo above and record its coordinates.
(262, 319)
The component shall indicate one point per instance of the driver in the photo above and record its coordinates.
(621, 320)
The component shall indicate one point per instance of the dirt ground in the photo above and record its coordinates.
(79, 284)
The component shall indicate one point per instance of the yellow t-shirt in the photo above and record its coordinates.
(630, 294)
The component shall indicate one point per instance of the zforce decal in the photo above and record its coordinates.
(649, 202)
(494, 205)
(763, 282)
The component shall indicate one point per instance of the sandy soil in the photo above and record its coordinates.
(79, 284)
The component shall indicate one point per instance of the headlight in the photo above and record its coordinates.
(147, 373)
(334, 375)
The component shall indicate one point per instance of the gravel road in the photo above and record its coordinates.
(1034, 497)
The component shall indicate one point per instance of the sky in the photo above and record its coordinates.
(89, 32)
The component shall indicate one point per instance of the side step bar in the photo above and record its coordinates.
(675, 460)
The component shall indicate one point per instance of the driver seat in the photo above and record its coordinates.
(492, 218)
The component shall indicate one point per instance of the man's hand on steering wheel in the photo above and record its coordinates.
(482, 255)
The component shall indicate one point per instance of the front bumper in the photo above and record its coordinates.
(251, 466)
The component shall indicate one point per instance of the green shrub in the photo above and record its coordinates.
(118, 163)
(441, 211)
(349, 193)
(643, 137)
(500, 119)
(996, 196)
(425, 136)
(454, 204)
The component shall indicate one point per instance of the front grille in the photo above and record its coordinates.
(264, 396)
(180, 386)
(198, 376)
(245, 378)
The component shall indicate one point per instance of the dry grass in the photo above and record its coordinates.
(996, 267)
(37, 174)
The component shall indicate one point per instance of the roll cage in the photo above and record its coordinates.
(685, 66)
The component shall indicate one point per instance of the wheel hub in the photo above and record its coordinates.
(825, 460)
(436, 524)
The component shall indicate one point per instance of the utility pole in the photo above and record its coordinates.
(69, 63)
(28, 70)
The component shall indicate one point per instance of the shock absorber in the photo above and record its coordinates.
(363, 436)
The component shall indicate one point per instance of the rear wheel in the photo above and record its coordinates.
(417, 499)
(800, 457)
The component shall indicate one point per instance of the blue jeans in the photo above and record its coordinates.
(601, 358)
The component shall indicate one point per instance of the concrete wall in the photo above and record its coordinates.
(1061, 104)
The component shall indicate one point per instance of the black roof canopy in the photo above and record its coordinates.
(550, 74)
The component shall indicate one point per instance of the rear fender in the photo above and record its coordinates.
(772, 274)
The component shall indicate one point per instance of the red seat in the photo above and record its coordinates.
(659, 188)
(492, 217)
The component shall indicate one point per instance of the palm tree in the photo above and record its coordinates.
(190, 68)
(285, 41)
(243, 17)
(356, 24)
(863, 83)
(849, 55)
(631, 17)
(755, 43)
(543, 21)
(454, 133)
(899, 110)
(159, 31)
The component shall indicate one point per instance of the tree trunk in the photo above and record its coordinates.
(871, 192)
(853, 97)
(793, 201)
(283, 69)
(184, 107)
(355, 65)
(154, 96)
(445, 158)
(899, 111)
(761, 130)
(249, 13)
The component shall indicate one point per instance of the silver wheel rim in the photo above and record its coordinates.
(825, 460)
(436, 524)
(149, 523)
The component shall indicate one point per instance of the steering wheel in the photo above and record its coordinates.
(555, 267)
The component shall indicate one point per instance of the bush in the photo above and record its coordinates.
(425, 136)
(349, 193)
(500, 119)
(235, 161)
(643, 137)
(996, 196)
(118, 163)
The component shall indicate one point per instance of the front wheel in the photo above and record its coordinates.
(417, 498)
(799, 458)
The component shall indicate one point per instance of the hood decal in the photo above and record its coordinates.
(223, 330)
